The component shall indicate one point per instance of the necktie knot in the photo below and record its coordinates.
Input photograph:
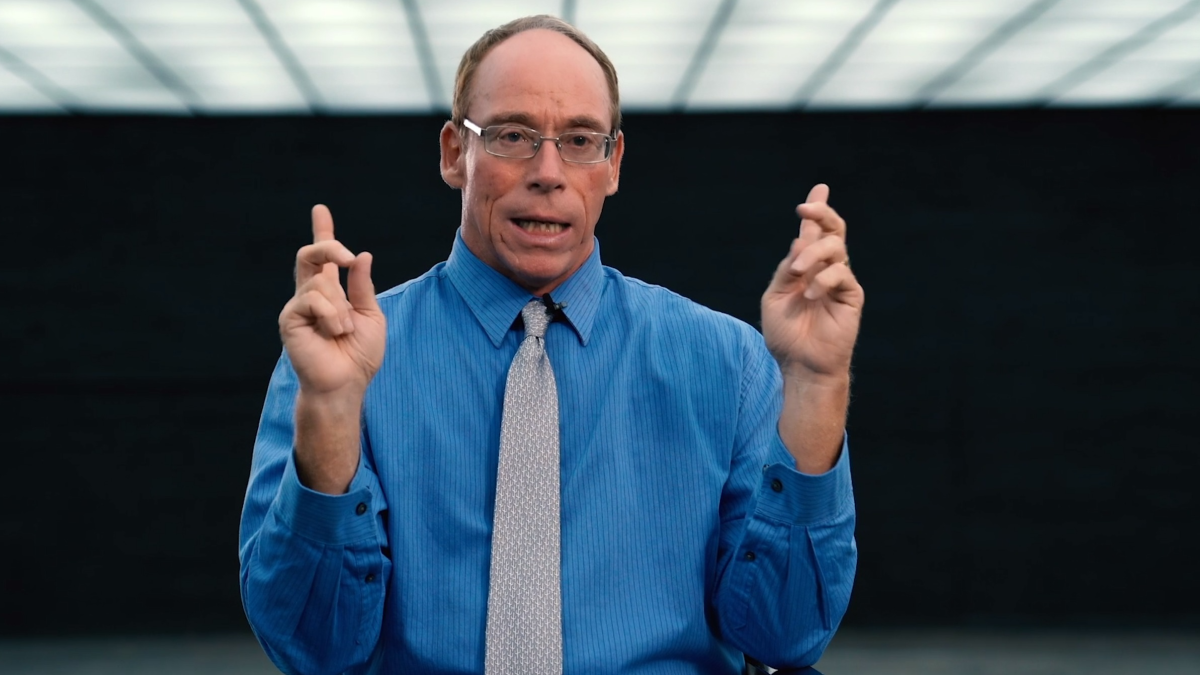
(536, 318)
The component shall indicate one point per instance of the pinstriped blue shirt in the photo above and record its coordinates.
(688, 537)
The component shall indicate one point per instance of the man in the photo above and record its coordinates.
(524, 462)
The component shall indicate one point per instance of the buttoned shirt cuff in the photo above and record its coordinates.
(788, 496)
(333, 520)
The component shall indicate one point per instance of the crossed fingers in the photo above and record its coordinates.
(319, 293)
(818, 256)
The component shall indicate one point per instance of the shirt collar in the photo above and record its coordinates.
(496, 301)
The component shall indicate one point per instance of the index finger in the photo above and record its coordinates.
(820, 214)
(322, 223)
(819, 193)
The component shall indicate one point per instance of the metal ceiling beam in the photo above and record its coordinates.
(841, 53)
(703, 51)
(1178, 90)
(1018, 22)
(165, 76)
(1102, 61)
(291, 64)
(568, 11)
(36, 79)
(420, 37)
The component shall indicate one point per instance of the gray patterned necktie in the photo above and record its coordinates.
(524, 618)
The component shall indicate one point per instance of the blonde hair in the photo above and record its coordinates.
(474, 55)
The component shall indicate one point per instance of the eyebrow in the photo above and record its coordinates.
(584, 121)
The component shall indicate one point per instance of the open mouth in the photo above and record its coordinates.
(540, 226)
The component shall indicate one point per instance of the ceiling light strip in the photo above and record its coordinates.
(429, 69)
(704, 50)
(36, 79)
(927, 93)
(312, 95)
(165, 76)
(841, 53)
(1097, 64)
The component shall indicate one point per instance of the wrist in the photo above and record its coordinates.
(802, 378)
(327, 447)
(346, 400)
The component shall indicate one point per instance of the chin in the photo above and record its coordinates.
(537, 277)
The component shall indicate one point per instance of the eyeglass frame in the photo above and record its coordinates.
(609, 145)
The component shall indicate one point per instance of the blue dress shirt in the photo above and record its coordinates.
(688, 537)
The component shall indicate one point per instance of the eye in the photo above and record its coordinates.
(586, 140)
(511, 136)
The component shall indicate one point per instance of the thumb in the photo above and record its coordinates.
(360, 289)
(785, 278)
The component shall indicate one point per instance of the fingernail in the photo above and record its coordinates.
(810, 292)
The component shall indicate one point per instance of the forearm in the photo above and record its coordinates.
(315, 563)
(328, 432)
(783, 603)
(813, 420)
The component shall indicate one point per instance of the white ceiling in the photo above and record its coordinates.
(355, 56)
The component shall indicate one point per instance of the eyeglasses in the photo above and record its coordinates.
(518, 142)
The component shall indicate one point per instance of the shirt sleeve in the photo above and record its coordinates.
(787, 556)
(314, 567)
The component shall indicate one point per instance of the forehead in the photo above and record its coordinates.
(542, 74)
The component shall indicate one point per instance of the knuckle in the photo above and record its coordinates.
(316, 301)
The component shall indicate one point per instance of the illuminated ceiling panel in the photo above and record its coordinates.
(769, 50)
(650, 43)
(213, 48)
(357, 54)
(1150, 74)
(909, 48)
(354, 56)
(20, 96)
(1071, 43)
(81, 55)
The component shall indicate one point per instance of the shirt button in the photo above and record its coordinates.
(370, 578)
(750, 556)
(360, 509)
(777, 485)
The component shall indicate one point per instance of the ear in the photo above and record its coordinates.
(614, 171)
(453, 156)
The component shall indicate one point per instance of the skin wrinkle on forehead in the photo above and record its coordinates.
(587, 122)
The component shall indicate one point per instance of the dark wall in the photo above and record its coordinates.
(1022, 426)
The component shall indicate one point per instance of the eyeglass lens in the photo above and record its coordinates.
(519, 142)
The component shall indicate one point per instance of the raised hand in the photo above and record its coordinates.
(811, 310)
(334, 338)
(810, 316)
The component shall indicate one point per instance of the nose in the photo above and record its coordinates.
(546, 169)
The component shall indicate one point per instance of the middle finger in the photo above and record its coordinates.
(824, 216)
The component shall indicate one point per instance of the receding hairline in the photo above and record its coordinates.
(465, 77)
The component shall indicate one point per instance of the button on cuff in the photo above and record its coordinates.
(788, 496)
(328, 519)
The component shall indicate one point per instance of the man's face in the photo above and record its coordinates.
(533, 219)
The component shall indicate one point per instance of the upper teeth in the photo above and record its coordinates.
(540, 226)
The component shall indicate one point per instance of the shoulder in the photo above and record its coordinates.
(680, 320)
(412, 292)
